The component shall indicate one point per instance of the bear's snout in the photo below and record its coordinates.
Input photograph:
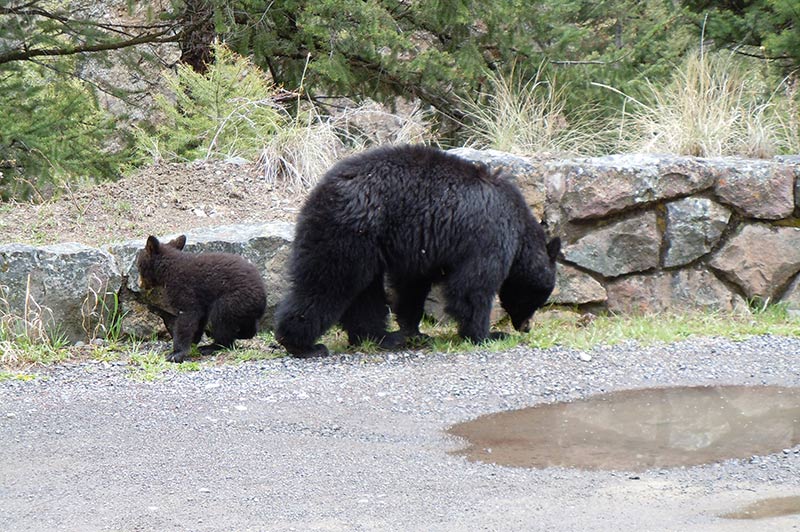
(525, 326)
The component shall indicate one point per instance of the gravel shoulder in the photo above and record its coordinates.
(357, 442)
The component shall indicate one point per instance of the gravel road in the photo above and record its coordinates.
(357, 443)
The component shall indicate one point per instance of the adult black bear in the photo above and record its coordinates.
(420, 216)
(220, 290)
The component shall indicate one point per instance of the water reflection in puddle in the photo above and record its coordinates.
(775, 507)
(639, 429)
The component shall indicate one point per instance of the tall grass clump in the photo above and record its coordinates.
(715, 105)
(523, 115)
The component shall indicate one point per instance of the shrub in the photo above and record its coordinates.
(52, 130)
(229, 111)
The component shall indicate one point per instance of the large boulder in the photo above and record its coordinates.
(574, 287)
(694, 226)
(760, 259)
(756, 188)
(69, 289)
(682, 289)
(625, 246)
(596, 187)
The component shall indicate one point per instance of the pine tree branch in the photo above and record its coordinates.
(25, 54)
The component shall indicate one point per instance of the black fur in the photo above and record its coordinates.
(219, 290)
(420, 216)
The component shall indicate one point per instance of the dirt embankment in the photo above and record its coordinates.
(160, 200)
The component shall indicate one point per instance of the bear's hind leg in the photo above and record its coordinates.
(228, 323)
(300, 320)
(365, 317)
(408, 308)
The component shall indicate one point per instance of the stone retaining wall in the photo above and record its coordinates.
(640, 233)
(643, 233)
(75, 287)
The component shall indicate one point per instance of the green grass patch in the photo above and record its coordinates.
(576, 331)
(16, 376)
(148, 366)
(551, 329)
(186, 367)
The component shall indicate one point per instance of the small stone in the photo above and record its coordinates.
(204, 490)
(585, 357)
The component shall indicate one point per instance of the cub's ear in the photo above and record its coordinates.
(152, 246)
(553, 247)
(178, 242)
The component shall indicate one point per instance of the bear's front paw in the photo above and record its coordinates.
(317, 350)
(177, 356)
(394, 340)
(209, 349)
(496, 335)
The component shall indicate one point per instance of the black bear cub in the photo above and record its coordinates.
(415, 216)
(219, 290)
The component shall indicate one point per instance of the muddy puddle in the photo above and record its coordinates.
(766, 508)
(639, 429)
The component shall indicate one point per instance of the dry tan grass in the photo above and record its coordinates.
(28, 337)
(524, 116)
(300, 153)
(716, 105)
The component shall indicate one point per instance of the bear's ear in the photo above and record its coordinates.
(178, 242)
(152, 246)
(553, 247)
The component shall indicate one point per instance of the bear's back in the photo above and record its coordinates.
(410, 165)
(209, 275)
(419, 204)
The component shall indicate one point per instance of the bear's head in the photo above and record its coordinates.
(529, 284)
(149, 259)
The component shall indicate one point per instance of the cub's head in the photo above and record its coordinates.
(529, 284)
(148, 259)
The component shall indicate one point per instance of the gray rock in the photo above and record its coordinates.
(688, 288)
(574, 287)
(626, 246)
(694, 226)
(760, 259)
(70, 288)
(596, 187)
(757, 188)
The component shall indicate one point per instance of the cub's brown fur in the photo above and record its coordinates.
(219, 290)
